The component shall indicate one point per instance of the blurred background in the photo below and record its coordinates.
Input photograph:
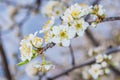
(19, 18)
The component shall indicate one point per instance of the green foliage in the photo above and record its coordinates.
(22, 63)
(26, 61)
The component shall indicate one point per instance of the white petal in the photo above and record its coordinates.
(66, 43)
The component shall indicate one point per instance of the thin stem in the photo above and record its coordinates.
(111, 19)
(72, 55)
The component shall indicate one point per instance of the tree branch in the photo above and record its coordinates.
(87, 62)
(4, 61)
(111, 19)
(49, 45)
(115, 70)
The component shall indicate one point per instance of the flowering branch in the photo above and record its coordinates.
(108, 19)
(87, 62)
(73, 25)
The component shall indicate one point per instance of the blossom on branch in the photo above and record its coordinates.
(29, 47)
(96, 71)
(53, 8)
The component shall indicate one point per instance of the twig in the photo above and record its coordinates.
(111, 19)
(115, 70)
(96, 2)
(87, 62)
(4, 61)
(50, 45)
(88, 32)
(91, 38)
(72, 55)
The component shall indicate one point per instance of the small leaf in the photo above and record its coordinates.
(34, 55)
(22, 63)
(26, 61)
(33, 51)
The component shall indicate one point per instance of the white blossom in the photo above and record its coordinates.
(101, 10)
(98, 10)
(53, 8)
(107, 71)
(37, 42)
(62, 34)
(44, 67)
(27, 44)
(75, 12)
(109, 57)
(80, 26)
(99, 58)
(48, 25)
(96, 71)
(104, 64)
(26, 50)
(86, 75)
(30, 70)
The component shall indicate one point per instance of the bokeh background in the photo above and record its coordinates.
(19, 18)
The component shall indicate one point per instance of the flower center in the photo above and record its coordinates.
(78, 26)
(75, 13)
(63, 35)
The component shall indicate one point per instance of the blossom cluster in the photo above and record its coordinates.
(73, 25)
(53, 8)
(99, 68)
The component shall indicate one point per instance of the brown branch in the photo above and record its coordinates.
(4, 61)
(87, 62)
(50, 45)
(111, 19)
(88, 32)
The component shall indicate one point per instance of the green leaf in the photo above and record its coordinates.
(22, 63)
(33, 51)
(34, 55)
(26, 61)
